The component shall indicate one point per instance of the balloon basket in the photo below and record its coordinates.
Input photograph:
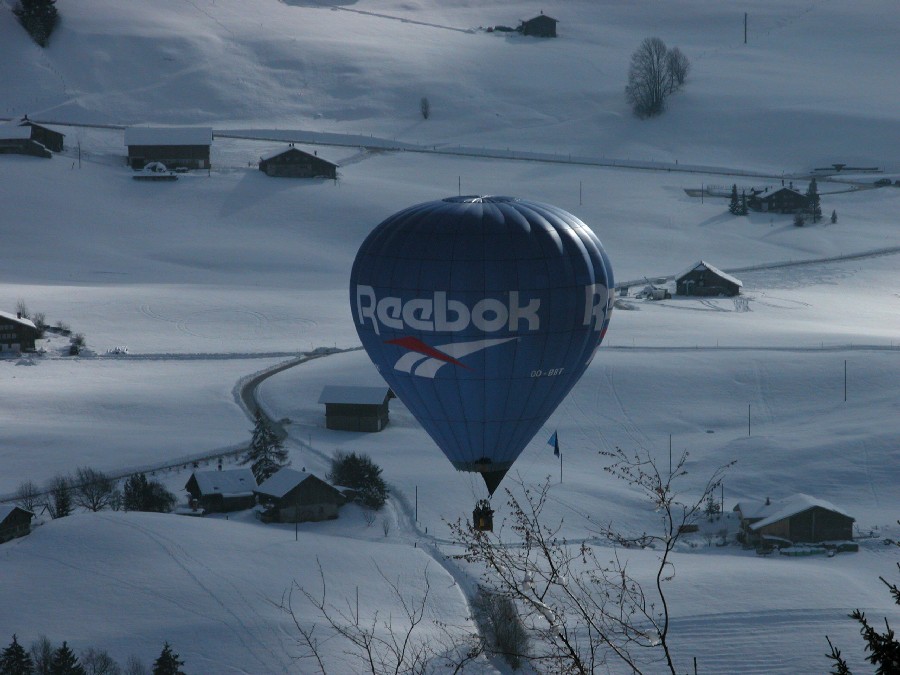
(483, 516)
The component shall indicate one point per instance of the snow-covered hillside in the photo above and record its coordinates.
(215, 277)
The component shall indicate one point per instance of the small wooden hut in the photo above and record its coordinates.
(349, 408)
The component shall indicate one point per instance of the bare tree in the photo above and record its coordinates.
(93, 489)
(585, 614)
(654, 73)
(98, 662)
(678, 66)
(29, 496)
(382, 644)
(649, 82)
(425, 108)
(134, 666)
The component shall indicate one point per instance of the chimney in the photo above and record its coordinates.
(18, 315)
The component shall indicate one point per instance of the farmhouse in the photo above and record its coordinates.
(294, 163)
(16, 140)
(703, 279)
(797, 519)
(349, 408)
(291, 496)
(14, 522)
(539, 26)
(783, 200)
(221, 491)
(176, 147)
(17, 334)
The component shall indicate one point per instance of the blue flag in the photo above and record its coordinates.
(554, 441)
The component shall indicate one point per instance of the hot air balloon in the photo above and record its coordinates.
(481, 313)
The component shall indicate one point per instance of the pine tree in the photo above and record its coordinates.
(38, 17)
(266, 454)
(134, 491)
(833, 217)
(64, 662)
(140, 494)
(168, 663)
(14, 660)
(61, 495)
(743, 211)
(734, 206)
(799, 220)
(814, 201)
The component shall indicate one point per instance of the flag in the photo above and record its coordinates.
(554, 441)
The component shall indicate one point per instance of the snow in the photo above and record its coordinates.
(215, 278)
(354, 395)
(232, 482)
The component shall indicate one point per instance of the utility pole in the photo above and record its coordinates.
(745, 27)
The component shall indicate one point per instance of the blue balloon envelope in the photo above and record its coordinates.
(481, 313)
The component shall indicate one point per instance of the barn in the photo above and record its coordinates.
(702, 279)
(291, 496)
(783, 200)
(798, 519)
(349, 408)
(176, 147)
(294, 163)
(221, 491)
(539, 26)
(14, 522)
(49, 138)
(16, 140)
(17, 334)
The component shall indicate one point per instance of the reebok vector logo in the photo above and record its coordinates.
(425, 361)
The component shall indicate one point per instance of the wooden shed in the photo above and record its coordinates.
(16, 140)
(291, 496)
(294, 163)
(14, 522)
(176, 147)
(783, 200)
(703, 279)
(17, 334)
(539, 26)
(46, 136)
(799, 518)
(221, 491)
(349, 408)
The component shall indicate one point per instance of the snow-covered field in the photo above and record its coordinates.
(215, 277)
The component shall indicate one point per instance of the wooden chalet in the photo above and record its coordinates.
(539, 26)
(292, 162)
(17, 334)
(702, 279)
(16, 140)
(49, 138)
(797, 519)
(14, 522)
(176, 147)
(222, 491)
(349, 408)
(783, 200)
(291, 496)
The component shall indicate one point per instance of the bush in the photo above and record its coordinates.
(362, 474)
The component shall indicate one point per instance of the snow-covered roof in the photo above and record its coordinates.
(10, 131)
(333, 393)
(6, 509)
(787, 507)
(282, 482)
(168, 136)
(231, 482)
(715, 270)
(16, 319)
